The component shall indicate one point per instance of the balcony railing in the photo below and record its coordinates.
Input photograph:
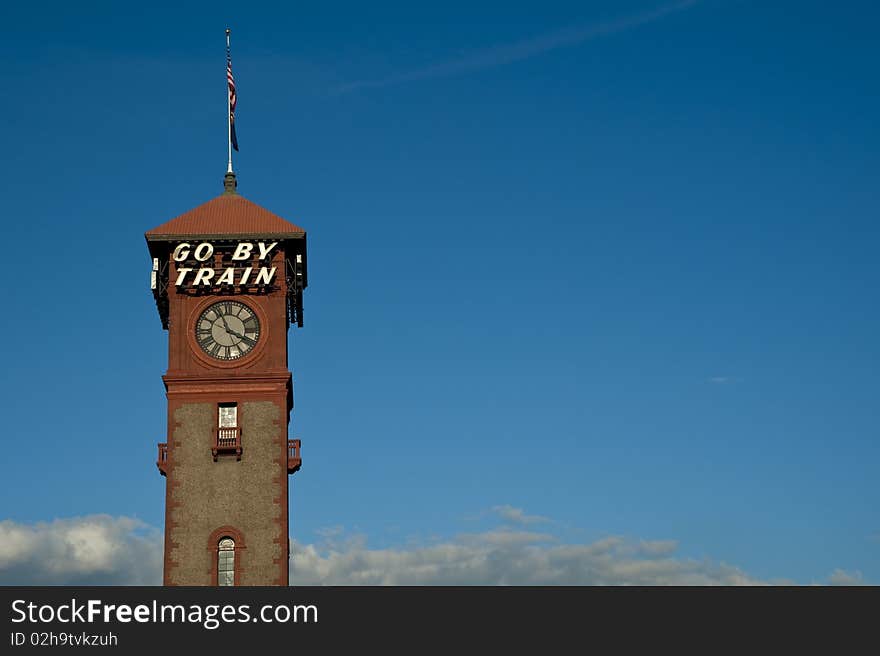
(294, 461)
(227, 440)
(162, 460)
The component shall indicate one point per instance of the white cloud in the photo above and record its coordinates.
(105, 550)
(723, 380)
(842, 577)
(517, 515)
(509, 558)
(657, 547)
(93, 550)
(505, 537)
(508, 53)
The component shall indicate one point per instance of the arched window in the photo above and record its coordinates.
(226, 550)
(226, 561)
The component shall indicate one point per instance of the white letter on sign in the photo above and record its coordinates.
(181, 252)
(181, 274)
(226, 278)
(203, 277)
(242, 251)
(264, 275)
(264, 250)
(200, 253)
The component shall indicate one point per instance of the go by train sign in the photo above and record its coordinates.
(229, 266)
(245, 264)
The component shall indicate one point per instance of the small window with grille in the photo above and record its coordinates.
(228, 415)
(228, 436)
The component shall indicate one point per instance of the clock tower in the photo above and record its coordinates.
(228, 280)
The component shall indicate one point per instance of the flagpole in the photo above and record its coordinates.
(228, 107)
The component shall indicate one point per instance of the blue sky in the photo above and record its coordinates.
(578, 272)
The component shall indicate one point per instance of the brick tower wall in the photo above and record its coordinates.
(248, 495)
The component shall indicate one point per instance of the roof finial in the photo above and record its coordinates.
(229, 183)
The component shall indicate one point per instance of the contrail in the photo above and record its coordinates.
(511, 52)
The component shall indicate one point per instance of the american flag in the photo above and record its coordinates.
(232, 99)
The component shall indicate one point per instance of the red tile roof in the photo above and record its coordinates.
(227, 215)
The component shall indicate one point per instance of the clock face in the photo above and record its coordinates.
(227, 330)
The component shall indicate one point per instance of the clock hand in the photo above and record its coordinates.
(237, 334)
(230, 331)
